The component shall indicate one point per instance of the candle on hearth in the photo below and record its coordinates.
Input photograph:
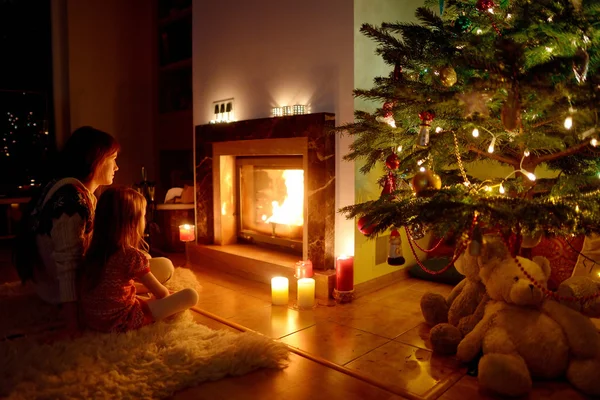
(187, 233)
(279, 291)
(344, 273)
(304, 269)
(306, 292)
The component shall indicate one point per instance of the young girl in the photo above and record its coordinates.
(112, 263)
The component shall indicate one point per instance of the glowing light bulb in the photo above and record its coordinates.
(438, 129)
(399, 148)
(420, 162)
(577, 208)
(530, 175)
(422, 169)
(491, 146)
(549, 49)
(594, 142)
(526, 153)
(501, 189)
(475, 132)
(487, 188)
(568, 123)
(479, 31)
(508, 16)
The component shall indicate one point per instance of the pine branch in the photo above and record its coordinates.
(571, 150)
(510, 161)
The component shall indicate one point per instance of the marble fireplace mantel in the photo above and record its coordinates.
(308, 135)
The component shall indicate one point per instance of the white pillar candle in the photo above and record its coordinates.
(306, 292)
(279, 291)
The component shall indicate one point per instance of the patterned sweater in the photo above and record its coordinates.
(63, 223)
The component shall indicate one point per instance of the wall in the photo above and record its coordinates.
(368, 65)
(103, 63)
(267, 53)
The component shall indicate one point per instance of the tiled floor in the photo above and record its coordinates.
(380, 337)
(373, 348)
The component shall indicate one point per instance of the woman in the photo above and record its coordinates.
(51, 249)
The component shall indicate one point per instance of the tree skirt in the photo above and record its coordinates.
(152, 362)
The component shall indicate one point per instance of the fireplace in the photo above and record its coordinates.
(270, 209)
(242, 168)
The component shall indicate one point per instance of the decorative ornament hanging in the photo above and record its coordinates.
(462, 23)
(388, 115)
(397, 73)
(426, 182)
(417, 231)
(448, 76)
(395, 255)
(364, 227)
(389, 185)
(485, 5)
(442, 7)
(530, 240)
(426, 118)
(475, 103)
(577, 4)
(581, 64)
(476, 241)
(511, 110)
(392, 161)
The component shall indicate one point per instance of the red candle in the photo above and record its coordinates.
(187, 233)
(304, 269)
(344, 273)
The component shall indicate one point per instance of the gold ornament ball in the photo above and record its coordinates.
(448, 76)
(426, 181)
(530, 240)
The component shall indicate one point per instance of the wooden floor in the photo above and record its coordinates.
(373, 348)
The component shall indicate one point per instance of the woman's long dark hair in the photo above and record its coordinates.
(85, 149)
(118, 225)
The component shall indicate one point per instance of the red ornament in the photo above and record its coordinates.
(397, 72)
(484, 5)
(389, 186)
(426, 117)
(364, 227)
(392, 161)
(387, 108)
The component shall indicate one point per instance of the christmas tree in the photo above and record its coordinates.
(514, 82)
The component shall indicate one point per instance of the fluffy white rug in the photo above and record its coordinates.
(153, 362)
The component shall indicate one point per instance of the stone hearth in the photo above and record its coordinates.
(309, 135)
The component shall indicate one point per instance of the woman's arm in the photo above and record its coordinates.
(154, 286)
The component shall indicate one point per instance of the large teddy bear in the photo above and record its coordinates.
(523, 334)
(452, 318)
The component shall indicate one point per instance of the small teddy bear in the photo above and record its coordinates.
(524, 335)
(452, 318)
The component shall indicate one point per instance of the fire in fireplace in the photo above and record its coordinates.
(270, 210)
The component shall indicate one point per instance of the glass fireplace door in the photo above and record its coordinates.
(271, 201)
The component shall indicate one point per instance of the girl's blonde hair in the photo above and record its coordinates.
(117, 226)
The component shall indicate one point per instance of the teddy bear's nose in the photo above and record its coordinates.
(531, 286)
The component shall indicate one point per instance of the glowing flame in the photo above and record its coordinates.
(291, 211)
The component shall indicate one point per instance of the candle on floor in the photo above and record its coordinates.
(306, 292)
(304, 269)
(187, 233)
(344, 273)
(279, 291)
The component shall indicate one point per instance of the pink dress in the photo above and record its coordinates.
(112, 306)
